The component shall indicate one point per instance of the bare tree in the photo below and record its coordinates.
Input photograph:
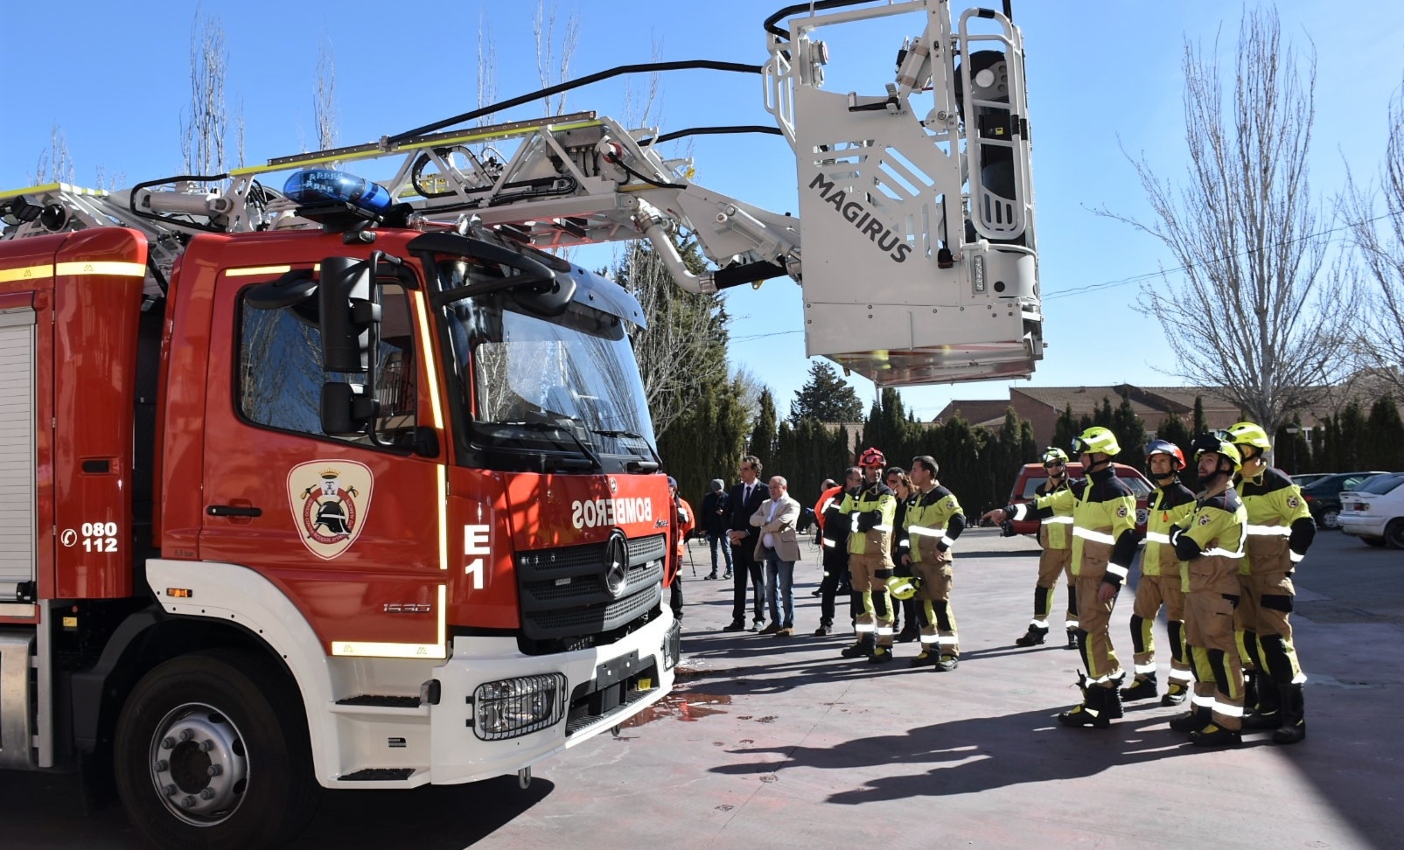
(552, 59)
(55, 164)
(324, 97)
(202, 137)
(1379, 239)
(1251, 314)
(487, 67)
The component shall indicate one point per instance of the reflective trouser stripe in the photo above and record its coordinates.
(1040, 624)
(863, 627)
(884, 630)
(948, 640)
(1181, 675)
(1144, 668)
(1227, 709)
(927, 640)
(1202, 701)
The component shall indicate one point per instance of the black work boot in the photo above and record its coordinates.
(1033, 637)
(1198, 718)
(1093, 710)
(881, 655)
(1267, 714)
(926, 658)
(1215, 735)
(1111, 702)
(1144, 687)
(1175, 694)
(863, 647)
(1293, 716)
(1072, 639)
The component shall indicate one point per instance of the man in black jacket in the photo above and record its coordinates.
(746, 498)
(715, 520)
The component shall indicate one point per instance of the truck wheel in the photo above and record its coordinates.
(1394, 533)
(211, 751)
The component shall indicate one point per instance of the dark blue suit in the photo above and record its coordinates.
(743, 561)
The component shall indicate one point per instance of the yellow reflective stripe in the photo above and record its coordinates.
(863, 627)
(1117, 570)
(923, 531)
(1268, 530)
(882, 528)
(1157, 537)
(1201, 701)
(252, 271)
(109, 268)
(1094, 536)
(426, 344)
(1224, 553)
(1143, 668)
(1058, 520)
(43, 272)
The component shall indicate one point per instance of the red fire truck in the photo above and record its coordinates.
(352, 484)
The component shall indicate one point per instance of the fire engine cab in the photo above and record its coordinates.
(332, 482)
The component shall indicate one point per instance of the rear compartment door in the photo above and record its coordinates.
(17, 450)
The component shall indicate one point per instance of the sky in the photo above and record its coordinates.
(1104, 80)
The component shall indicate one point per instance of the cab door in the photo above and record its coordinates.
(349, 530)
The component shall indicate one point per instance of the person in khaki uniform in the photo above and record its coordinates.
(871, 511)
(1160, 580)
(1210, 542)
(1055, 536)
(934, 520)
(1280, 529)
(1104, 543)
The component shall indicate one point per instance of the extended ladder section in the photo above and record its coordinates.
(918, 262)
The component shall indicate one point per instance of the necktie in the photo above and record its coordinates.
(747, 496)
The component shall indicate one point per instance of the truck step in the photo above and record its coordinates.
(379, 774)
(380, 700)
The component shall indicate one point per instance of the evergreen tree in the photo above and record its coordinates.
(1198, 425)
(762, 442)
(1065, 429)
(825, 397)
(1352, 436)
(1130, 432)
(1384, 448)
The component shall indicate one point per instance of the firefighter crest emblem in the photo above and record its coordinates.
(330, 500)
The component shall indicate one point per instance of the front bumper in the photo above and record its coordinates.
(604, 687)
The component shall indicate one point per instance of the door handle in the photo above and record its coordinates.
(233, 510)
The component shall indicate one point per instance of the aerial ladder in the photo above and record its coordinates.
(914, 246)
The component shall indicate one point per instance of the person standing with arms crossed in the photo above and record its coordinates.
(1210, 542)
(870, 511)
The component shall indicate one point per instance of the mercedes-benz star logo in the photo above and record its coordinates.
(616, 563)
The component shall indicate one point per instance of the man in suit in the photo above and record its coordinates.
(778, 548)
(746, 498)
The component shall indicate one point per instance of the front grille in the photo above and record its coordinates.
(564, 593)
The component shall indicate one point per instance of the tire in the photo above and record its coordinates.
(1376, 542)
(1394, 533)
(211, 751)
(1331, 518)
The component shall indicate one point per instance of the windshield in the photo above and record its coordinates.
(1380, 484)
(564, 385)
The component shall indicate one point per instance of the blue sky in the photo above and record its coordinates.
(1103, 76)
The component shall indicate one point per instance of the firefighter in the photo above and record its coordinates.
(870, 512)
(833, 530)
(1210, 542)
(1160, 580)
(683, 522)
(933, 521)
(1103, 544)
(1280, 530)
(1055, 538)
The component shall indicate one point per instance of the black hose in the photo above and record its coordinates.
(784, 34)
(711, 131)
(682, 65)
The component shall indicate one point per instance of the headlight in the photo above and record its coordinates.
(509, 708)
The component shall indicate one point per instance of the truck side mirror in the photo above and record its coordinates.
(346, 409)
(348, 307)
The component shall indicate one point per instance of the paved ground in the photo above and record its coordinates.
(781, 743)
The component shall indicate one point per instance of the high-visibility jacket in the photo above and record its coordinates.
(1169, 505)
(1210, 544)
(934, 520)
(1280, 527)
(1055, 530)
(1104, 523)
(870, 514)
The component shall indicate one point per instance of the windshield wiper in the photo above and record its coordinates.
(557, 427)
(646, 466)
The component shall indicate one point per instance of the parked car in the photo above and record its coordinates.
(1374, 511)
(1324, 495)
(1032, 475)
(1309, 478)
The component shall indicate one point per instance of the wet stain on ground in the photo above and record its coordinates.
(768, 719)
(686, 707)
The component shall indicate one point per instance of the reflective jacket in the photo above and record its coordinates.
(1169, 506)
(835, 527)
(1104, 523)
(1053, 531)
(1210, 542)
(870, 514)
(934, 520)
(1280, 527)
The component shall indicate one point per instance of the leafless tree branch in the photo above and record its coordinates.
(324, 97)
(203, 136)
(552, 59)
